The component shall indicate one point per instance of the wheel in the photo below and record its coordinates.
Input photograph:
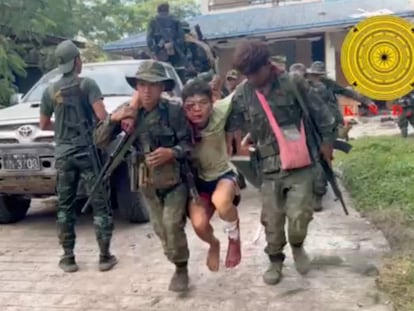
(131, 207)
(13, 208)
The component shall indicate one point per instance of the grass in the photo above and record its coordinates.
(379, 175)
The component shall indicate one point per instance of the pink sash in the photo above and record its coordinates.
(293, 153)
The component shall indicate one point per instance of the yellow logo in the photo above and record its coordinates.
(377, 57)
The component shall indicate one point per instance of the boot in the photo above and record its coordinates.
(317, 203)
(106, 260)
(404, 132)
(273, 275)
(302, 262)
(67, 262)
(179, 281)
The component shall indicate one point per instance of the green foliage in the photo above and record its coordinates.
(379, 174)
(24, 23)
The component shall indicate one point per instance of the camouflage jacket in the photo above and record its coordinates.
(337, 89)
(165, 126)
(247, 114)
(328, 98)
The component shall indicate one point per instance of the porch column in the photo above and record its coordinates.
(330, 61)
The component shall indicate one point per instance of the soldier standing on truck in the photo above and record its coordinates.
(407, 113)
(273, 107)
(166, 39)
(162, 137)
(65, 99)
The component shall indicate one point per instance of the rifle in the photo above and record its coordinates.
(112, 162)
(340, 145)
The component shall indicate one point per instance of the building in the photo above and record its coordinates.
(304, 32)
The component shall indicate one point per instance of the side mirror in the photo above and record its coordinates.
(15, 99)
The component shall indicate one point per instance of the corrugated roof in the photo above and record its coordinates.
(292, 17)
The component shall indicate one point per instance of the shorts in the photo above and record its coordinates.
(207, 188)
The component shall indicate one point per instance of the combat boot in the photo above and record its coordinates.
(273, 275)
(317, 203)
(179, 281)
(302, 262)
(67, 262)
(106, 260)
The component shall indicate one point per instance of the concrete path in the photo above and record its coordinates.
(31, 281)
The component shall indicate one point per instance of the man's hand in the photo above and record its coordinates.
(127, 125)
(125, 112)
(159, 157)
(326, 151)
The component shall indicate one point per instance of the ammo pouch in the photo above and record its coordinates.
(160, 178)
(269, 158)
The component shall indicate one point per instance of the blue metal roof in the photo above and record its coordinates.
(294, 17)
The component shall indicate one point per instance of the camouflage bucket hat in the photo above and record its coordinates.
(66, 52)
(297, 67)
(317, 68)
(281, 59)
(154, 72)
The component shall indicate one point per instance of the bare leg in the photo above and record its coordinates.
(200, 220)
(222, 199)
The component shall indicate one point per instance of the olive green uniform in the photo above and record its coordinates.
(163, 187)
(407, 113)
(285, 194)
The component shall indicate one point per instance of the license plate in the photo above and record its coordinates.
(17, 162)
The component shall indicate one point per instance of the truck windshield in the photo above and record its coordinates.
(110, 79)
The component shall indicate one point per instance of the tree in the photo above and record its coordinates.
(25, 23)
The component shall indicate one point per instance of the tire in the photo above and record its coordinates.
(131, 207)
(13, 208)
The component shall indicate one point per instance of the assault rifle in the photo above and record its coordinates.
(339, 145)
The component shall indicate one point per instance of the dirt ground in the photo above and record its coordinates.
(347, 251)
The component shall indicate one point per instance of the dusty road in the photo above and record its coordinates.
(31, 281)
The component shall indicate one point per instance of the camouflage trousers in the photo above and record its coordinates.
(168, 215)
(286, 195)
(71, 171)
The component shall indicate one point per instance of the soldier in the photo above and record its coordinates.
(73, 161)
(327, 90)
(162, 137)
(165, 37)
(279, 61)
(297, 70)
(233, 79)
(407, 108)
(216, 180)
(198, 53)
(287, 175)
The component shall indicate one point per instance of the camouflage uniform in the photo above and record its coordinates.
(285, 194)
(165, 30)
(163, 187)
(73, 159)
(407, 113)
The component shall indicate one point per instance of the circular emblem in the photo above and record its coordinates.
(25, 130)
(377, 57)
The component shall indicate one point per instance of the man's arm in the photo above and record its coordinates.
(46, 112)
(95, 98)
(150, 36)
(320, 113)
(182, 132)
(340, 90)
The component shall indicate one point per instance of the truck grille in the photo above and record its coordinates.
(8, 141)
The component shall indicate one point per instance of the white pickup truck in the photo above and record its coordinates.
(27, 164)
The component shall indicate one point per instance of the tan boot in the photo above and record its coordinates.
(179, 281)
(273, 275)
(302, 262)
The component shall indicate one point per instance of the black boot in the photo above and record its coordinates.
(106, 260)
(67, 262)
